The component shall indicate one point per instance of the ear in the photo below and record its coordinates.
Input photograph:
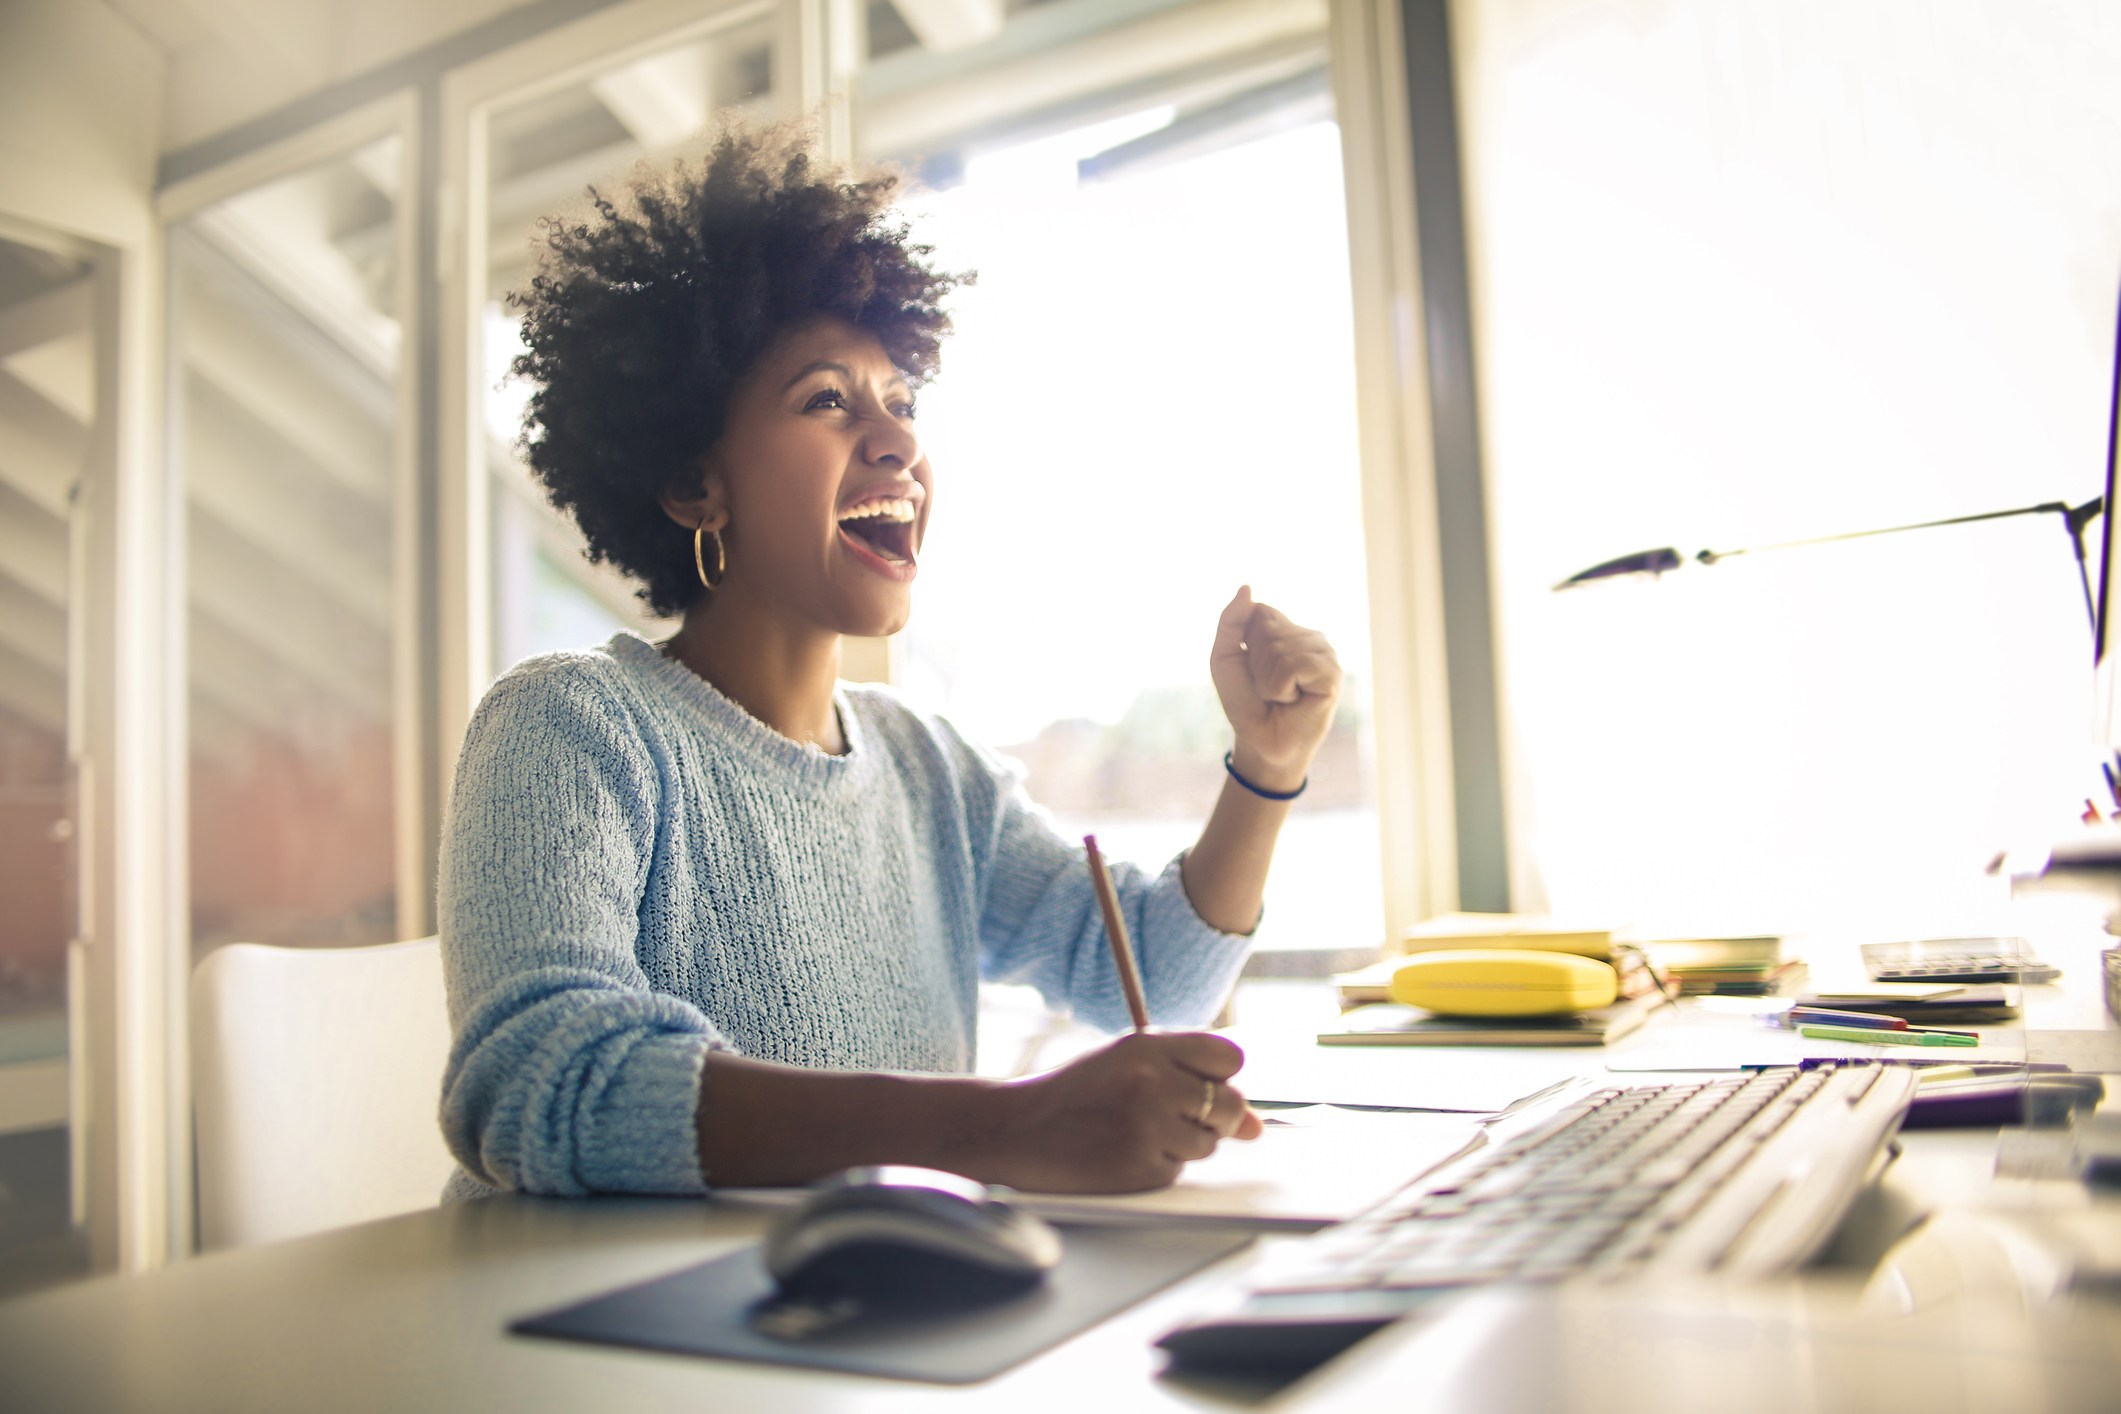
(709, 508)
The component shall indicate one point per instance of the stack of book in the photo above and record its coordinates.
(1732, 967)
(1370, 1018)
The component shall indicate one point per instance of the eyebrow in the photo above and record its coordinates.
(827, 366)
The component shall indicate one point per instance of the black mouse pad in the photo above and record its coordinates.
(708, 1309)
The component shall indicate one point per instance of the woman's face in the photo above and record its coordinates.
(823, 483)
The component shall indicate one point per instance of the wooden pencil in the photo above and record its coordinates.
(1116, 934)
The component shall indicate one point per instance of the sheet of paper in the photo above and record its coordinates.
(1887, 991)
(1294, 1068)
(1311, 1167)
(1316, 1166)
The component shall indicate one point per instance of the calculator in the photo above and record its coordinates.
(1956, 960)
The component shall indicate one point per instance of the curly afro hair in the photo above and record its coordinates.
(646, 313)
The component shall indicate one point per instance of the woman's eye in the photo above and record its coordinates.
(828, 398)
(905, 410)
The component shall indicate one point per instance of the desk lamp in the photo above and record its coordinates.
(2075, 519)
(2089, 863)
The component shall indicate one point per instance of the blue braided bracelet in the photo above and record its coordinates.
(1230, 765)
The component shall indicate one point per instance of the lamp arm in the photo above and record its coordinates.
(2059, 508)
(2074, 521)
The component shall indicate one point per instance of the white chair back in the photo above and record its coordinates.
(316, 1074)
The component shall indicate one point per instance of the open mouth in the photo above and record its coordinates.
(884, 527)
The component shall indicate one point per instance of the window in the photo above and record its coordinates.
(1148, 401)
(543, 150)
(287, 342)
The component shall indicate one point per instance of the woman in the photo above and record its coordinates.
(710, 916)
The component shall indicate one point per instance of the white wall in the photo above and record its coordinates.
(80, 114)
(1751, 270)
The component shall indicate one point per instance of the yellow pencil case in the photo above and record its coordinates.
(1498, 982)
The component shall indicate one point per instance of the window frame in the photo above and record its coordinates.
(1411, 707)
(412, 635)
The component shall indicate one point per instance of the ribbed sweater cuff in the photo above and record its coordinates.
(1194, 964)
(646, 1135)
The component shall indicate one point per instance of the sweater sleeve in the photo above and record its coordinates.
(569, 1074)
(1040, 923)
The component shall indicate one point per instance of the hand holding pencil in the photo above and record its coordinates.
(1130, 1115)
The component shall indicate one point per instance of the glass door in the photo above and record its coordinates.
(49, 387)
(286, 341)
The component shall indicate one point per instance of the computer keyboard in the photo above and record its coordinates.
(1744, 1176)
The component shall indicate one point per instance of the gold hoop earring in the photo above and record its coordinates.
(699, 558)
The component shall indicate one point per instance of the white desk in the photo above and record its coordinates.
(410, 1313)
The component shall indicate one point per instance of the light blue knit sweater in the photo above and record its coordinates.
(636, 871)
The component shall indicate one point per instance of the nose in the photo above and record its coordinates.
(891, 441)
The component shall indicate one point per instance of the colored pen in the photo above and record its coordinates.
(1862, 1036)
(1827, 1016)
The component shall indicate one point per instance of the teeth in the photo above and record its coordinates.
(900, 509)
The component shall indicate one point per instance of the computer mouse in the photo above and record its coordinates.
(892, 1233)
